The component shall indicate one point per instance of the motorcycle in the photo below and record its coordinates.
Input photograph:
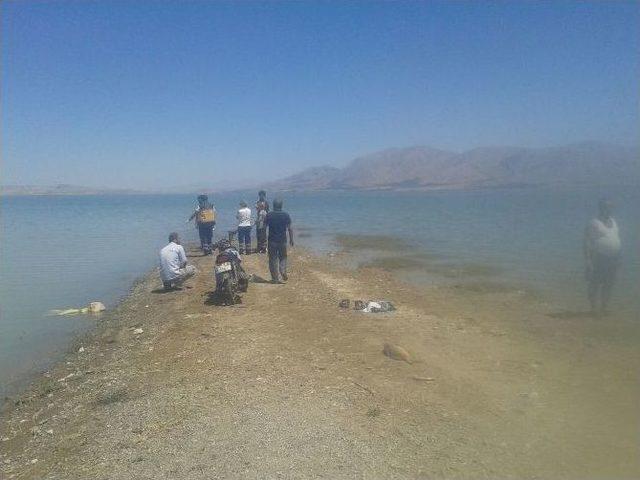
(231, 279)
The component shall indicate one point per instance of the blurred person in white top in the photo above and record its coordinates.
(244, 228)
(602, 256)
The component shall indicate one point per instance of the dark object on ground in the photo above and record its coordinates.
(344, 303)
(570, 314)
(112, 396)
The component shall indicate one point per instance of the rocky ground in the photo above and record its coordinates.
(287, 385)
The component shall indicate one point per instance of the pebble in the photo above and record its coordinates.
(81, 350)
(34, 461)
(138, 331)
(396, 352)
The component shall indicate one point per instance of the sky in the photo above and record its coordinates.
(159, 94)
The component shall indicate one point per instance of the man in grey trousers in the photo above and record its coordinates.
(278, 223)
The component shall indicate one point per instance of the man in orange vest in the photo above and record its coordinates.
(205, 215)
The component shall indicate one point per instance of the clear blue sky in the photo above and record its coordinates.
(147, 94)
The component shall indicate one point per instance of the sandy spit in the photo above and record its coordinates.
(288, 385)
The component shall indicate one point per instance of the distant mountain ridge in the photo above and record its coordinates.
(422, 167)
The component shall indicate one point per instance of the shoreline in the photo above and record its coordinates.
(489, 384)
(18, 386)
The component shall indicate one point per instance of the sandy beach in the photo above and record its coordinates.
(288, 385)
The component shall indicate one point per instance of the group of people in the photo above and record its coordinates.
(602, 245)
(272, 229)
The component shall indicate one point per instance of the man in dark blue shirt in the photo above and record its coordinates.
(279, 223)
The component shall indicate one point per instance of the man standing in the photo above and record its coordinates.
(244, 228)
(173, 264)
(205, 215)
(262, 208)
(602, 255)
(279, 223)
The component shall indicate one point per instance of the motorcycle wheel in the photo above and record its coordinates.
(228, 294)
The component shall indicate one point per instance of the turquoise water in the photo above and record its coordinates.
(60, 252)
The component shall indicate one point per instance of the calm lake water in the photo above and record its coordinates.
(62, 252)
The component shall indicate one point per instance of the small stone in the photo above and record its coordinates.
(34, 461)
(5, 439)
(424, 379)
(50, 432)
(396, 352)
(138, 331)
(81, 350)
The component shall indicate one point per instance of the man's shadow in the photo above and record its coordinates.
(213, 298)
(258, 279)
(163, 290)
(196, 254)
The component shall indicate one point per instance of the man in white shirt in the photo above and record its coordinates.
(244, 228)
(173, 264)
(602, 255)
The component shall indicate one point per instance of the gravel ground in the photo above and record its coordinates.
(287, 385)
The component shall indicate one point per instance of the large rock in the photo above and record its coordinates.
(96, 307)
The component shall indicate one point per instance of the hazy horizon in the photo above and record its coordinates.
(166, 95)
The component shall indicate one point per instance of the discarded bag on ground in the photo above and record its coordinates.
(379, 306)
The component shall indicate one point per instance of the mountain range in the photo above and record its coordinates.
(421, 167)
(427, 168)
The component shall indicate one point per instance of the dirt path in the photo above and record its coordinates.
(288, 386)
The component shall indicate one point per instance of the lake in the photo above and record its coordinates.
(63, 252)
